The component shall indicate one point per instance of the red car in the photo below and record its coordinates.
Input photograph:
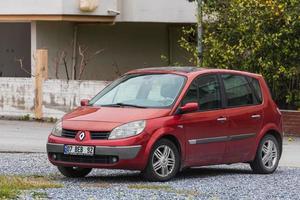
(162, 120)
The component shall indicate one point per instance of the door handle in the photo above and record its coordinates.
(255, 116)
(222, 119)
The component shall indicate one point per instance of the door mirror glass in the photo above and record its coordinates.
(189, 107)
(84, 102)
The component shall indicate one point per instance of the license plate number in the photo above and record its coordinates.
(79, 150)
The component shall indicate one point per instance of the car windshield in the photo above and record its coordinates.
(141, 90)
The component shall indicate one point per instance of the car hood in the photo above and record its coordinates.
(114, 115)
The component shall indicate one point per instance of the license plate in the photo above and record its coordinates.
(79, 150)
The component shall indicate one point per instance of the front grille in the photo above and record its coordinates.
(83, 159)
(68, 133)
(97, 135)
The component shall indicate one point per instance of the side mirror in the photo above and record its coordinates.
(84, 102)
(189, 107)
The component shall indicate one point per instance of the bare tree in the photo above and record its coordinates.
(57, 61)
(61, 59)
(85, 58)
(117, 69)
(20, 61)
(64, 58)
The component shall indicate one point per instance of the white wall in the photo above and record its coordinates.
(170, 11)
(60, 96)
(17, 96)
(52, 7)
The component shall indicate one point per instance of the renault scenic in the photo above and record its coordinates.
(162, 120)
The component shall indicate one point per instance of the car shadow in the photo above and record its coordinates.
(135, 176)
(130, 177)
(206, 172)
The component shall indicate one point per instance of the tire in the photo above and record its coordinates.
(74, 172)
(267, 156)
(162, 169)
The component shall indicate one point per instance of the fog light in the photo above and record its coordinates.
(54, 156)
(114, 159)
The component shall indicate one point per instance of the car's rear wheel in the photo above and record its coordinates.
(267, 156)
(163, 163)
(74, 172)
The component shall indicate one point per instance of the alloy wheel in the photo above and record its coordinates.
(163, 161)
(269, 154)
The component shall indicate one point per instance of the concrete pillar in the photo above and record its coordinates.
(33, 46)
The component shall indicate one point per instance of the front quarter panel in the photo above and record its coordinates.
(165, 127)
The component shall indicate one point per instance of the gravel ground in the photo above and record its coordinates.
(217, 182)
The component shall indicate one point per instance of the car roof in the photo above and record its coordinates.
(186, 71)
(189, 71)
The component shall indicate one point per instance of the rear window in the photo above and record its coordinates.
(238, 91)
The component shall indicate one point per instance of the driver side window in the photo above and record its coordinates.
(205, 90)
(191, 95)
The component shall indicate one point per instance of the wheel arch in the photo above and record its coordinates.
(278, 137)
(168, 134)
(271, 129)
(173, 139)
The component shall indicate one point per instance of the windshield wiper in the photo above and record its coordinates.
(124, 105)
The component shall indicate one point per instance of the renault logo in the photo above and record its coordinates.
(81, 136)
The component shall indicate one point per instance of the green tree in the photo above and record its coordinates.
(260, 36)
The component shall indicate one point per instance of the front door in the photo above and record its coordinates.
(206, 129)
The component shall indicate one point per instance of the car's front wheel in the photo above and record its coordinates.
(267, 156)
(163, 163)
(74, 172)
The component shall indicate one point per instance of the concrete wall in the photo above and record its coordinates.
(56, 37)
(16, 97)
(15, 44)
(127, 45)
(53, 7)
(170, 11)
(59, 96)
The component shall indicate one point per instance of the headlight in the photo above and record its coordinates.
(57, 130)
(128, 130)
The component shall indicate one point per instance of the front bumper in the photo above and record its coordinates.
(129, 153)
(122, 152)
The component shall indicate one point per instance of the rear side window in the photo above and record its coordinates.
(237, 90)
(257, 89)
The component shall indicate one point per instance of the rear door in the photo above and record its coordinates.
(244, 112)
(206, 129)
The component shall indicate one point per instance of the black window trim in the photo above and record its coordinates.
(250, 85)
(221, 92)
(254, 90)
